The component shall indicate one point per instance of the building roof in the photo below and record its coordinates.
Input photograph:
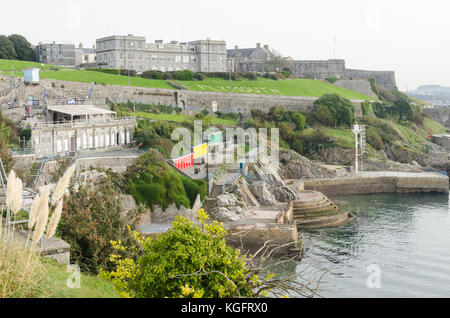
(80, 110)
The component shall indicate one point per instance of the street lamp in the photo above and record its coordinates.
(356, 130)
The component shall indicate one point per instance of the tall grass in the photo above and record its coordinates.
(21, 271)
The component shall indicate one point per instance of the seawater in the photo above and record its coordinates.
(405, 236)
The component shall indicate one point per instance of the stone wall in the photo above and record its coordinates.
(318, 69)
(442, 140)
(252, 237)
(117, 164)
(402, 183)
(188, 100)
(382, 78)
(361, 86)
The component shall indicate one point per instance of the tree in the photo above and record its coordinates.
(6, 48)
(403, 109)
(341, 110)
(22, 47)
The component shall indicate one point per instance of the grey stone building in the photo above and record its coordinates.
(262, 59)
(85, 57)
(134, 53)
(56, 54)
(73, 128)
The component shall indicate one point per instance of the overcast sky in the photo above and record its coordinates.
(409, 37)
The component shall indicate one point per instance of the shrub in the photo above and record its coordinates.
(186, 261)
(418, 119)
(105, 70)
(153, 182)
(374, 139)
(332, 79)
(287, 73)
(128, 72)
(373, 86)
(250, 76)
(186, 75)
(199, 76)
(366, 108)
(92, 217)
(340, 110)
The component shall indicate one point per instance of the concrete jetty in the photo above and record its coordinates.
(380, 182)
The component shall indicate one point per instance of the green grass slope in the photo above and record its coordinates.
(103, 78)
(8, 65)
(290, 87)
(90, 286)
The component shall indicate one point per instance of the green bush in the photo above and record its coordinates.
(373, 86)
(187, 261)
(341, 110)
(250, 76)
(128, 72)
(332, 79)
(374, 139)
(105, 70)
(92, 217)
(153, 182)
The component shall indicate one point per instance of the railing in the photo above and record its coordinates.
(82, 123)
(41, 168)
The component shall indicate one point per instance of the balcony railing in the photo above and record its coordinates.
(82, 123)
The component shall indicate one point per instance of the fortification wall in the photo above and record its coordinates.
(382, 78)
(361, 86)
(187, 100)
(318, 69)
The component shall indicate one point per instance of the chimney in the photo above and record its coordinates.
(258, 45)
(266, 47)
(236, 47)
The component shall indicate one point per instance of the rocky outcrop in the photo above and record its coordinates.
(295, 166)
(228, 208)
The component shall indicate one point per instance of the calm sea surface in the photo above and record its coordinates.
(406, 237)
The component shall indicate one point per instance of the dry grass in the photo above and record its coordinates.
(21, 274)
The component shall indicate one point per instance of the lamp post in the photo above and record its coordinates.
(356, 130)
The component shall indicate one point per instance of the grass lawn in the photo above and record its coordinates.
(179, 118)
(6, 65)
(90, 286)
(291, 87)
(103, 78)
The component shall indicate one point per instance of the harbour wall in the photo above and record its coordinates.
(380, 182)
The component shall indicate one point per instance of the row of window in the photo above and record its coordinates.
(149, 57)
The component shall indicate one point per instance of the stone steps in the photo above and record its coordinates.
(331, 210)
(323, 221)
(316, 206)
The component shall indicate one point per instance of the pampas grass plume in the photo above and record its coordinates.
(16, 203)
(42, 217)
(10, 188)
(33, 212)
(62, 185)
(54, 220)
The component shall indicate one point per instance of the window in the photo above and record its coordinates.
(177, 58)
(185, 59)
